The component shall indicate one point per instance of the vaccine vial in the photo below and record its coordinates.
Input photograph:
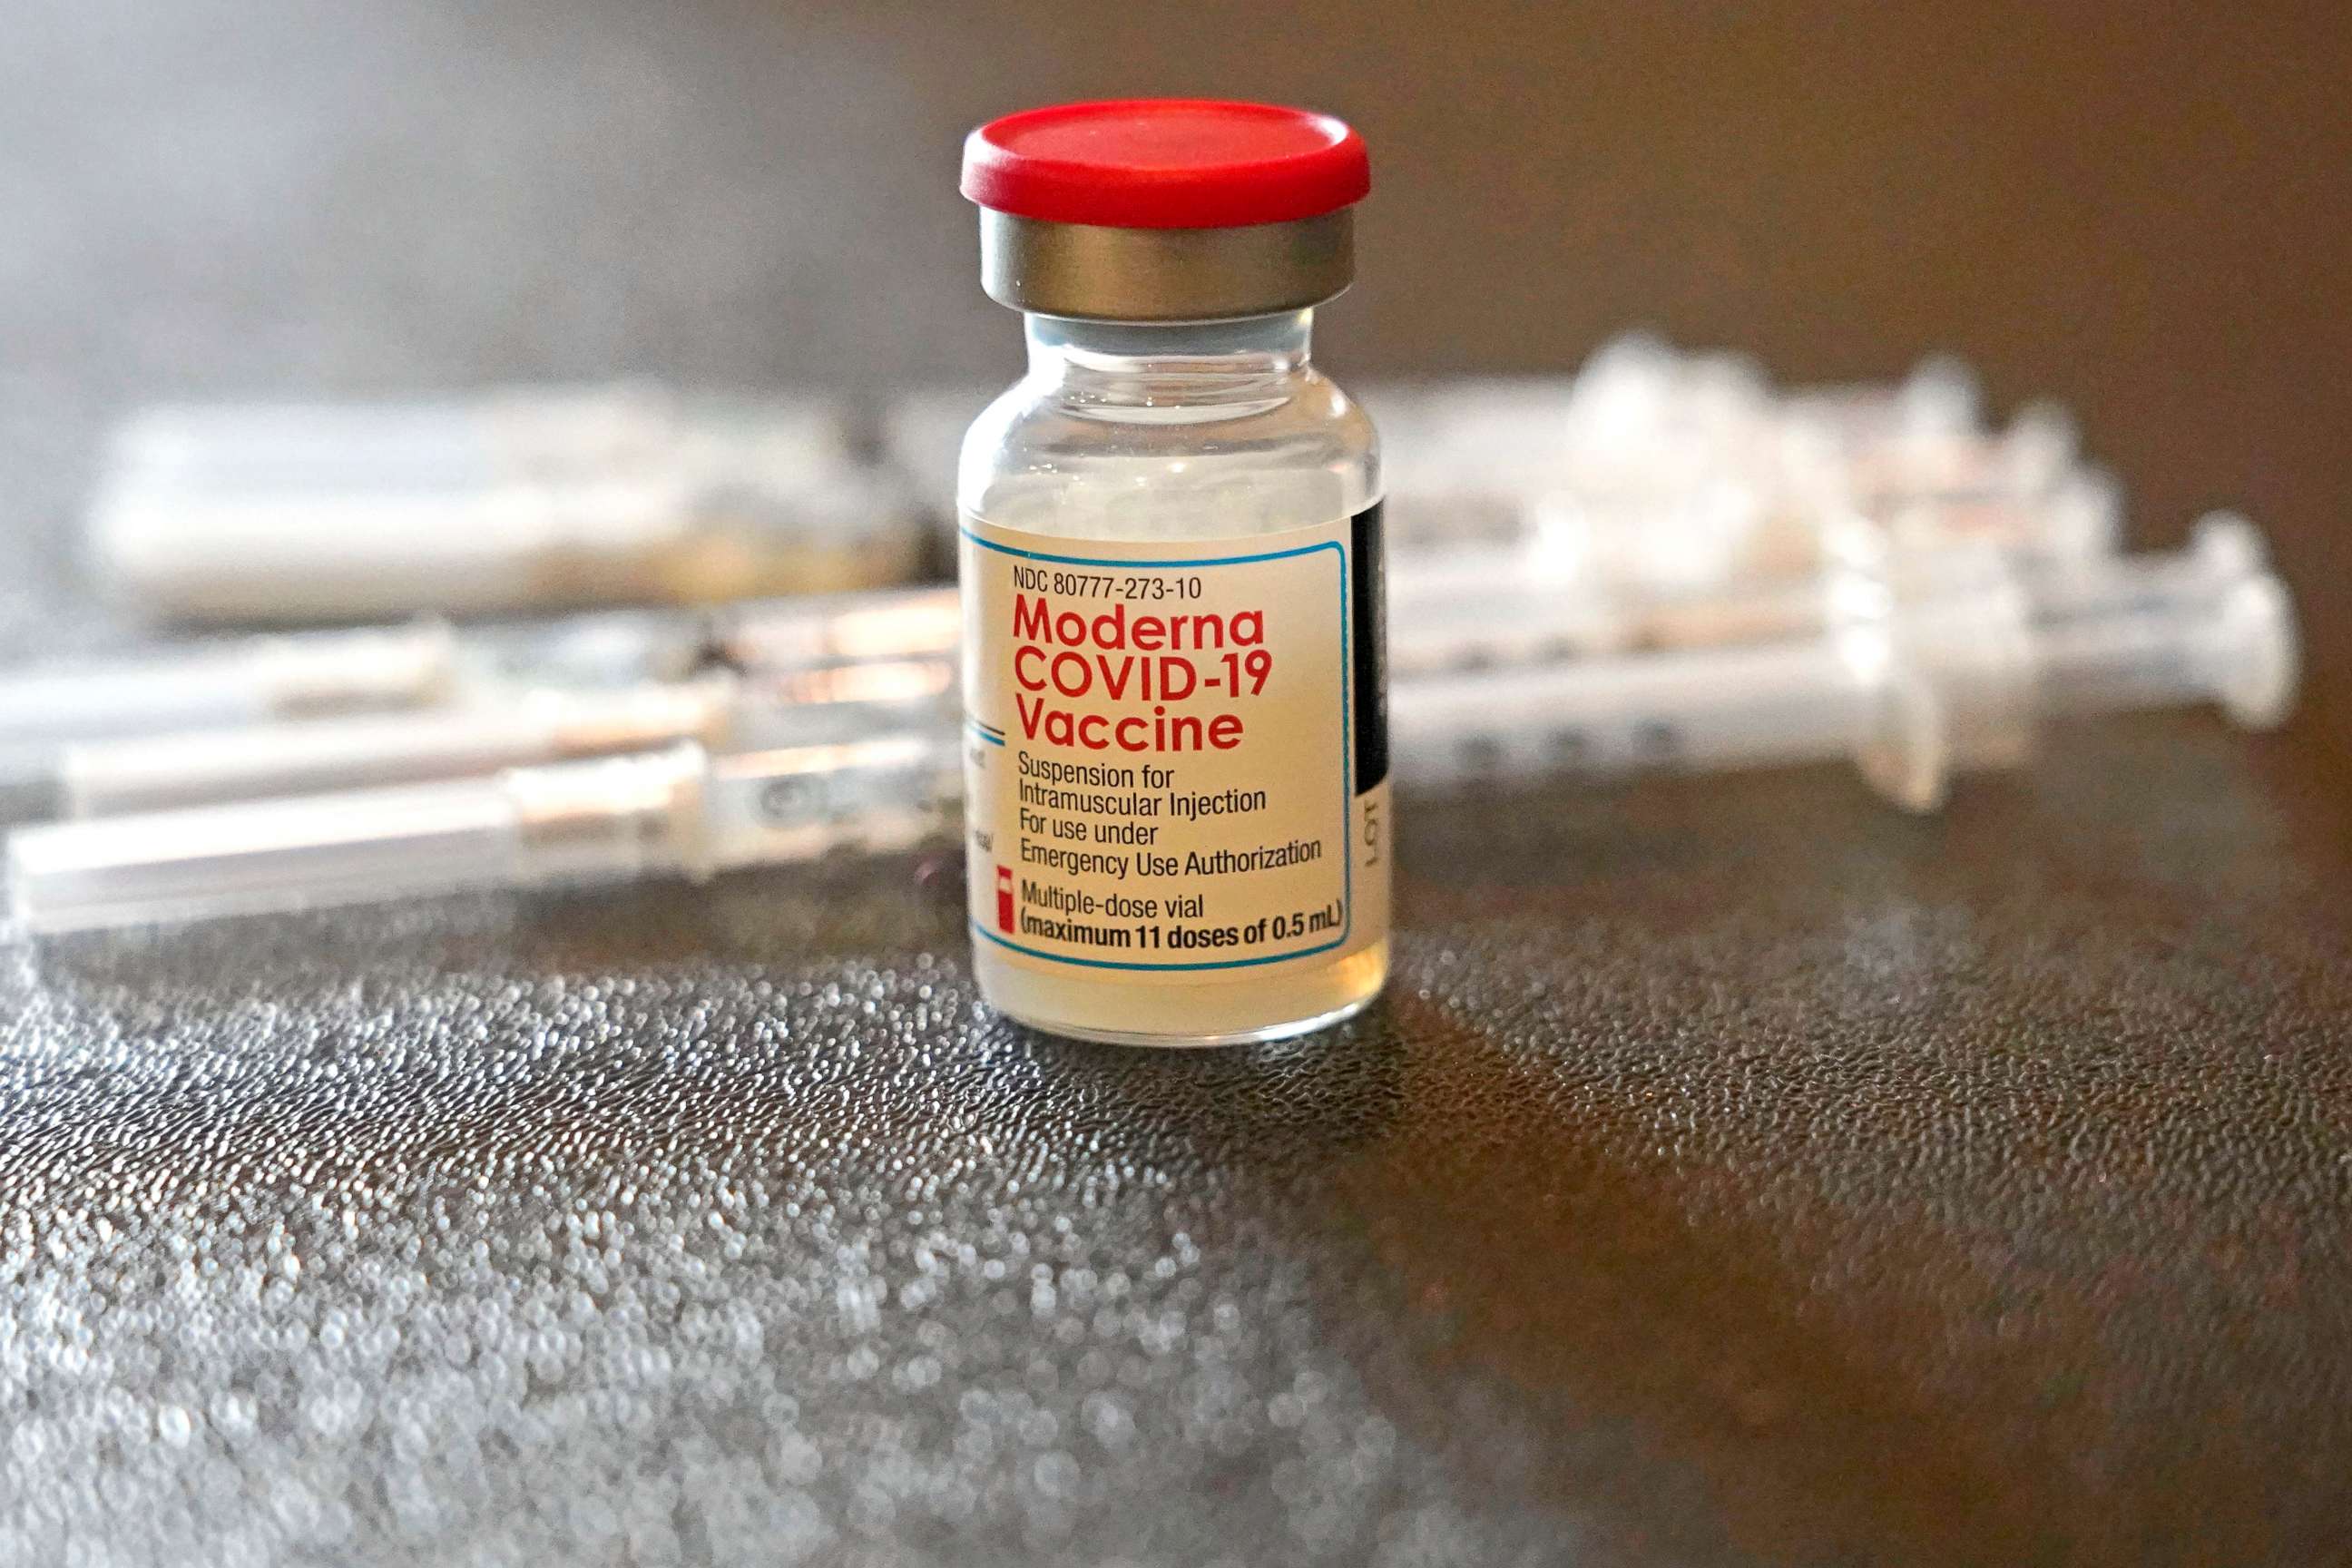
(1176, 746)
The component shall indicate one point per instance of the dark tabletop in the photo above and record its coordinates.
(1736, 1171)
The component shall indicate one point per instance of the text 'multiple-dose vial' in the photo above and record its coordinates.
(1177, 741)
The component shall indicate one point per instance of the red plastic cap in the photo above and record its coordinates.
(1166, 163)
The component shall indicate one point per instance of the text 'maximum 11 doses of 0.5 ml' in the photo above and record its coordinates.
(1177, 741)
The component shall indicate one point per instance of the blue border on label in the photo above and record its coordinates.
(1347, 760)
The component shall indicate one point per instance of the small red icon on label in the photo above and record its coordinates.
(1005, 897)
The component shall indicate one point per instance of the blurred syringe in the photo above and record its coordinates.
(1918, 675)
(723, 709)
(1681, 471)
(229, 681)
(62, 718)
(1914, 685)
(511, 499)
(680, 812)
(1571, 591)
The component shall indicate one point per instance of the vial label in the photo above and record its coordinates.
(1176, 751)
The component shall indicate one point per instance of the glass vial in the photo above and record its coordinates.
(1176, 749)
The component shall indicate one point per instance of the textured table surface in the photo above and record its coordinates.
(1735, 1172)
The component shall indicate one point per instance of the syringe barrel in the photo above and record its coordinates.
(281, 554)
(884, 624)
(2237, 649)
(2208, 622)
(1703, 709)
(2116, 664)
(621, 494)
(796, 804)
(457, 443)
(422, 443)
(589, 647)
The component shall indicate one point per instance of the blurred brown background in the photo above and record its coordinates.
(2139, 211)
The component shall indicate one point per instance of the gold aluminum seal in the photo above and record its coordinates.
(1093, 272)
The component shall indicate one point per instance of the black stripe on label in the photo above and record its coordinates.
(1368, 642)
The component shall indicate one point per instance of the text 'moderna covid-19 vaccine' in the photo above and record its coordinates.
(1177, 798)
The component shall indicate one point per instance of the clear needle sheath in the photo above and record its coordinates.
(678, 812)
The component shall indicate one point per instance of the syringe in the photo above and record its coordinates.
(240, 682)
(294, 512)
(495, 435)
(1912, 683)
(722, 710)
(1663, 500)
(1706, 525)
(228, 680)
(1561, 594)
(253, 681)
(758, 635)
(678, 812)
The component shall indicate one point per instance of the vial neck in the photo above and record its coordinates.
(1174, 360)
